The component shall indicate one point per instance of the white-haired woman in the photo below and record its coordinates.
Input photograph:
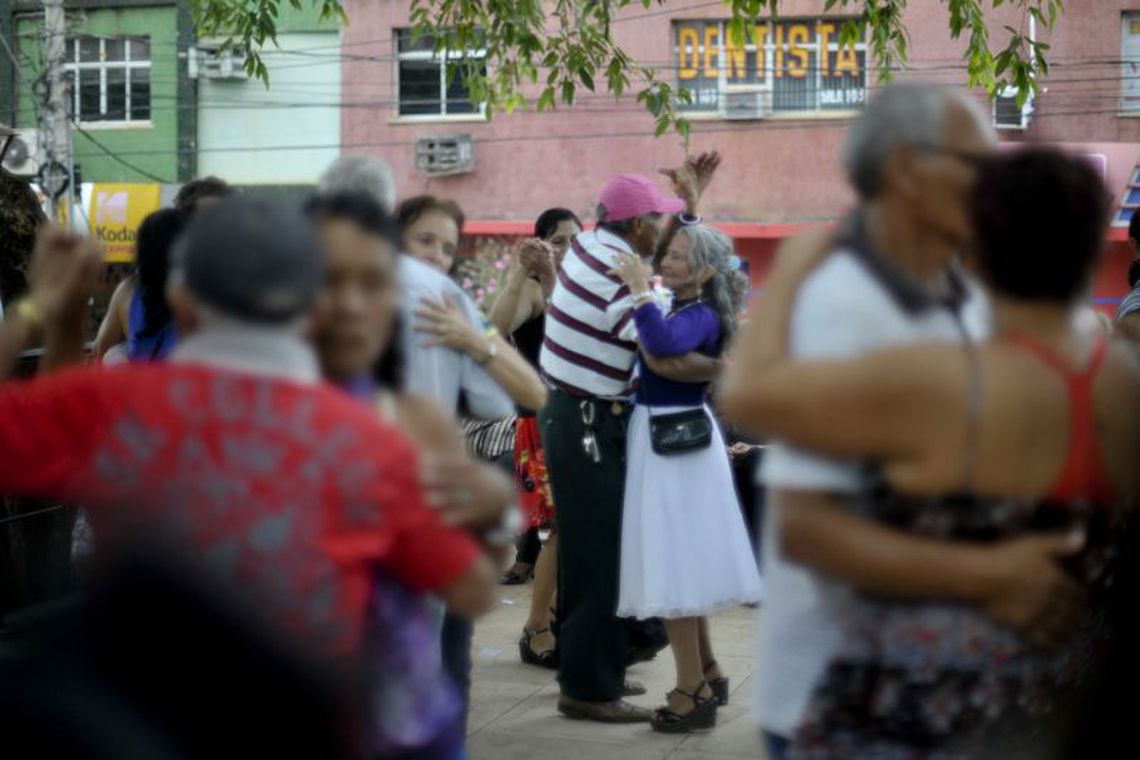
(685, 548)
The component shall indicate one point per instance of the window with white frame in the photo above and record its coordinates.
(1130, 63)
(109, 78)
(421, 78)
(790, 65)
(1008, 114)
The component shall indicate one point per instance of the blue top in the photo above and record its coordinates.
(152, 347)
(690, 326)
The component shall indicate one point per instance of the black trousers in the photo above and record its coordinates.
(744, 469)
(593, 643)
(528, 547)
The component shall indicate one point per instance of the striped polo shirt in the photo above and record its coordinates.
(588, 348)
(1129, 305)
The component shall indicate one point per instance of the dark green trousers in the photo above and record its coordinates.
(593, 643)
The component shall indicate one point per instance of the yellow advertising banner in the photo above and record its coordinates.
(116, 211)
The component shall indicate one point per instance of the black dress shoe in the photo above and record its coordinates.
(617, 711)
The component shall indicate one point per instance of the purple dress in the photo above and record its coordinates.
(416, 710)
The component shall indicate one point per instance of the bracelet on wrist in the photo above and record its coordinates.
(28, 311)
(489, 356)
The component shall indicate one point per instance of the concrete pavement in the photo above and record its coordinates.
(514, 716)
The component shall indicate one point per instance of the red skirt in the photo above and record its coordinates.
(530, 469)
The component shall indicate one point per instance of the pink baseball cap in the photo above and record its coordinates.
(632, 195)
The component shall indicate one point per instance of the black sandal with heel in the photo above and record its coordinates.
(514, 577)
(701, 718)
(719, 686)
(547, 659)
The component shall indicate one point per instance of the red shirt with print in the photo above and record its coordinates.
(293, 490)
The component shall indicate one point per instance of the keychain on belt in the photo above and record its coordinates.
(589, 439)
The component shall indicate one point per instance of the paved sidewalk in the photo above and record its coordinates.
(514, 716)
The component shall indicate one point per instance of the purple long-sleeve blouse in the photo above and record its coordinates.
(690, 326)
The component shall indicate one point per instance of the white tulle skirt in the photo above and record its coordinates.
(685, 550)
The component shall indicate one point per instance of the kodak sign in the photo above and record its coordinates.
(115, 213)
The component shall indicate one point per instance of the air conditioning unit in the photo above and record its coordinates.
(1007, 114)
(24, 157)
(744, 104)
(207, 61)
(450, 154)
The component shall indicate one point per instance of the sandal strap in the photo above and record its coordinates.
(665, 712)
(712, 664)
(694, 698)
(537, 632)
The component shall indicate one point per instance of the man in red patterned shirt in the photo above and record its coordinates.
(278, 483)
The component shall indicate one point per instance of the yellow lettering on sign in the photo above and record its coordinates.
(823, 32)
(779, 64)
(846, 61)
(761, 36)
(712, 49)
(798, 34)
(688, 42)
(737, 63)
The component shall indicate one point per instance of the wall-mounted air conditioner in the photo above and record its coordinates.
(448, 154)
(745, 103)
(209, 61)
(24, 157)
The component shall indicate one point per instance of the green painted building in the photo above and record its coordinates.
(130, 90)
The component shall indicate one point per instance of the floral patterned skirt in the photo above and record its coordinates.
(533, 478)
(929, 679)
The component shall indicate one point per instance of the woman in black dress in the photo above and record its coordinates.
(520, 311)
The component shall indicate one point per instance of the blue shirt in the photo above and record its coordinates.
(445, 374)
(690, 326)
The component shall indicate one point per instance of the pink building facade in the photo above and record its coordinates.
(776, 111)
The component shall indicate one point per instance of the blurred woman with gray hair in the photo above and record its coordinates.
(685, 551)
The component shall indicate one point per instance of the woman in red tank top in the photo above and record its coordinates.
(1036, 430)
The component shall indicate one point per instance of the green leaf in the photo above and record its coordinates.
(662, 126)
(1002, 64)
(571, 41)
(736, 32)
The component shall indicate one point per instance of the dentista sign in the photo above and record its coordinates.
(799, 62)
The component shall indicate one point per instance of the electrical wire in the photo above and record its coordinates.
(116, 157)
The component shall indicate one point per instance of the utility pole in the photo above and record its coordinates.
(55, 126)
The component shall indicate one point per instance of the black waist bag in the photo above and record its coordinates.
(680, 432)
